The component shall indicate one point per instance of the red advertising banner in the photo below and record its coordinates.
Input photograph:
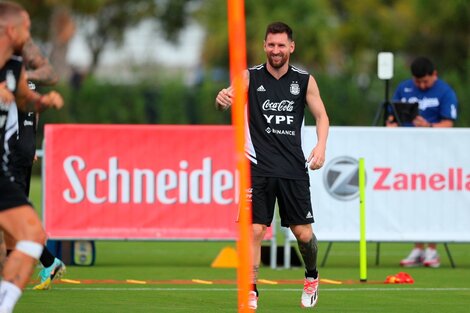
(140, 182)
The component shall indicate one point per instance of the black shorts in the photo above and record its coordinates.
(11, 195)
(293, 198)
(22, 176)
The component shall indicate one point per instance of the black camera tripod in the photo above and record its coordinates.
(385, 109)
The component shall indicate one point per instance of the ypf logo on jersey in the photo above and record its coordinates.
(341, 178)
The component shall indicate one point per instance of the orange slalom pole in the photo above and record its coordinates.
(237, 48)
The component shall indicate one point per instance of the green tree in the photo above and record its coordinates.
(312, 17)
(442, 30)
(103, 21)
(338, 41)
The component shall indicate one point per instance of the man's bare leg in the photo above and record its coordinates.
(25, 227)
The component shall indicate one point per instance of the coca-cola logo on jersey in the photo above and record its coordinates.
(283, 106)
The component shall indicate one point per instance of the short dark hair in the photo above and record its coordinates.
(421, 67)
(278, 28)
(10, 9)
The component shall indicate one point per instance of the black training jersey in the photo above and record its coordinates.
(23, 146)
(276, 118)
(9, 73)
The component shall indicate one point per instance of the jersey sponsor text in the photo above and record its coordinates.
(283, 106)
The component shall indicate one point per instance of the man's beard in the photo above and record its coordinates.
(280, 64)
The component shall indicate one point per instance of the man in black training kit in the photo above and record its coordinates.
(23, 148)
(39, 72)
(277, 96)
(17, 217)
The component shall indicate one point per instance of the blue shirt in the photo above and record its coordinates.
(435, 104)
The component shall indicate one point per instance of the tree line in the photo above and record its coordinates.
(337, 41)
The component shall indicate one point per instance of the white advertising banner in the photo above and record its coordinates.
(417, 184)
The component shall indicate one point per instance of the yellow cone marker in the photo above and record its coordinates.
(133, 281)
(227, 258)
(200, 281)
(269, 282)
(330, 281)
(70, 281)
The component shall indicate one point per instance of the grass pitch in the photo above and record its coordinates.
(177, 277)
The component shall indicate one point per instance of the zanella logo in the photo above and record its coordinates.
(340, 178)
(113, 184)
(283, 106)
(454, 179)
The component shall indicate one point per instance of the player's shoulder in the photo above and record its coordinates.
(15, 60)
(443, 89)
(300, 75)
(256, 68)
(406, 85)
(14, 64)
(443, 85)
(298, 70)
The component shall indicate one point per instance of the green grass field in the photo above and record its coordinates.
(169, 268)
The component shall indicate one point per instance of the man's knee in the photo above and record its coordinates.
(31, 241)
(27, 226)
(303, 233)
(259, 231)
(10, 242)
(39, 235)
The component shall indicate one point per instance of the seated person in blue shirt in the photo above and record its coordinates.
(436, 99)
(438, 106)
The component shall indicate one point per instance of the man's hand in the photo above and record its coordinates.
(316, 159)
(224, 98)
(52, 100)
(419, 121)
(390, 122)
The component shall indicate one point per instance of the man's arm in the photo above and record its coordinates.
(420, 121)
(448, 105)
(28, 100)
(39, 69)
(317, 108)
(224, 99)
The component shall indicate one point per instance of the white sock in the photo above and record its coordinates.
(9, 295)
